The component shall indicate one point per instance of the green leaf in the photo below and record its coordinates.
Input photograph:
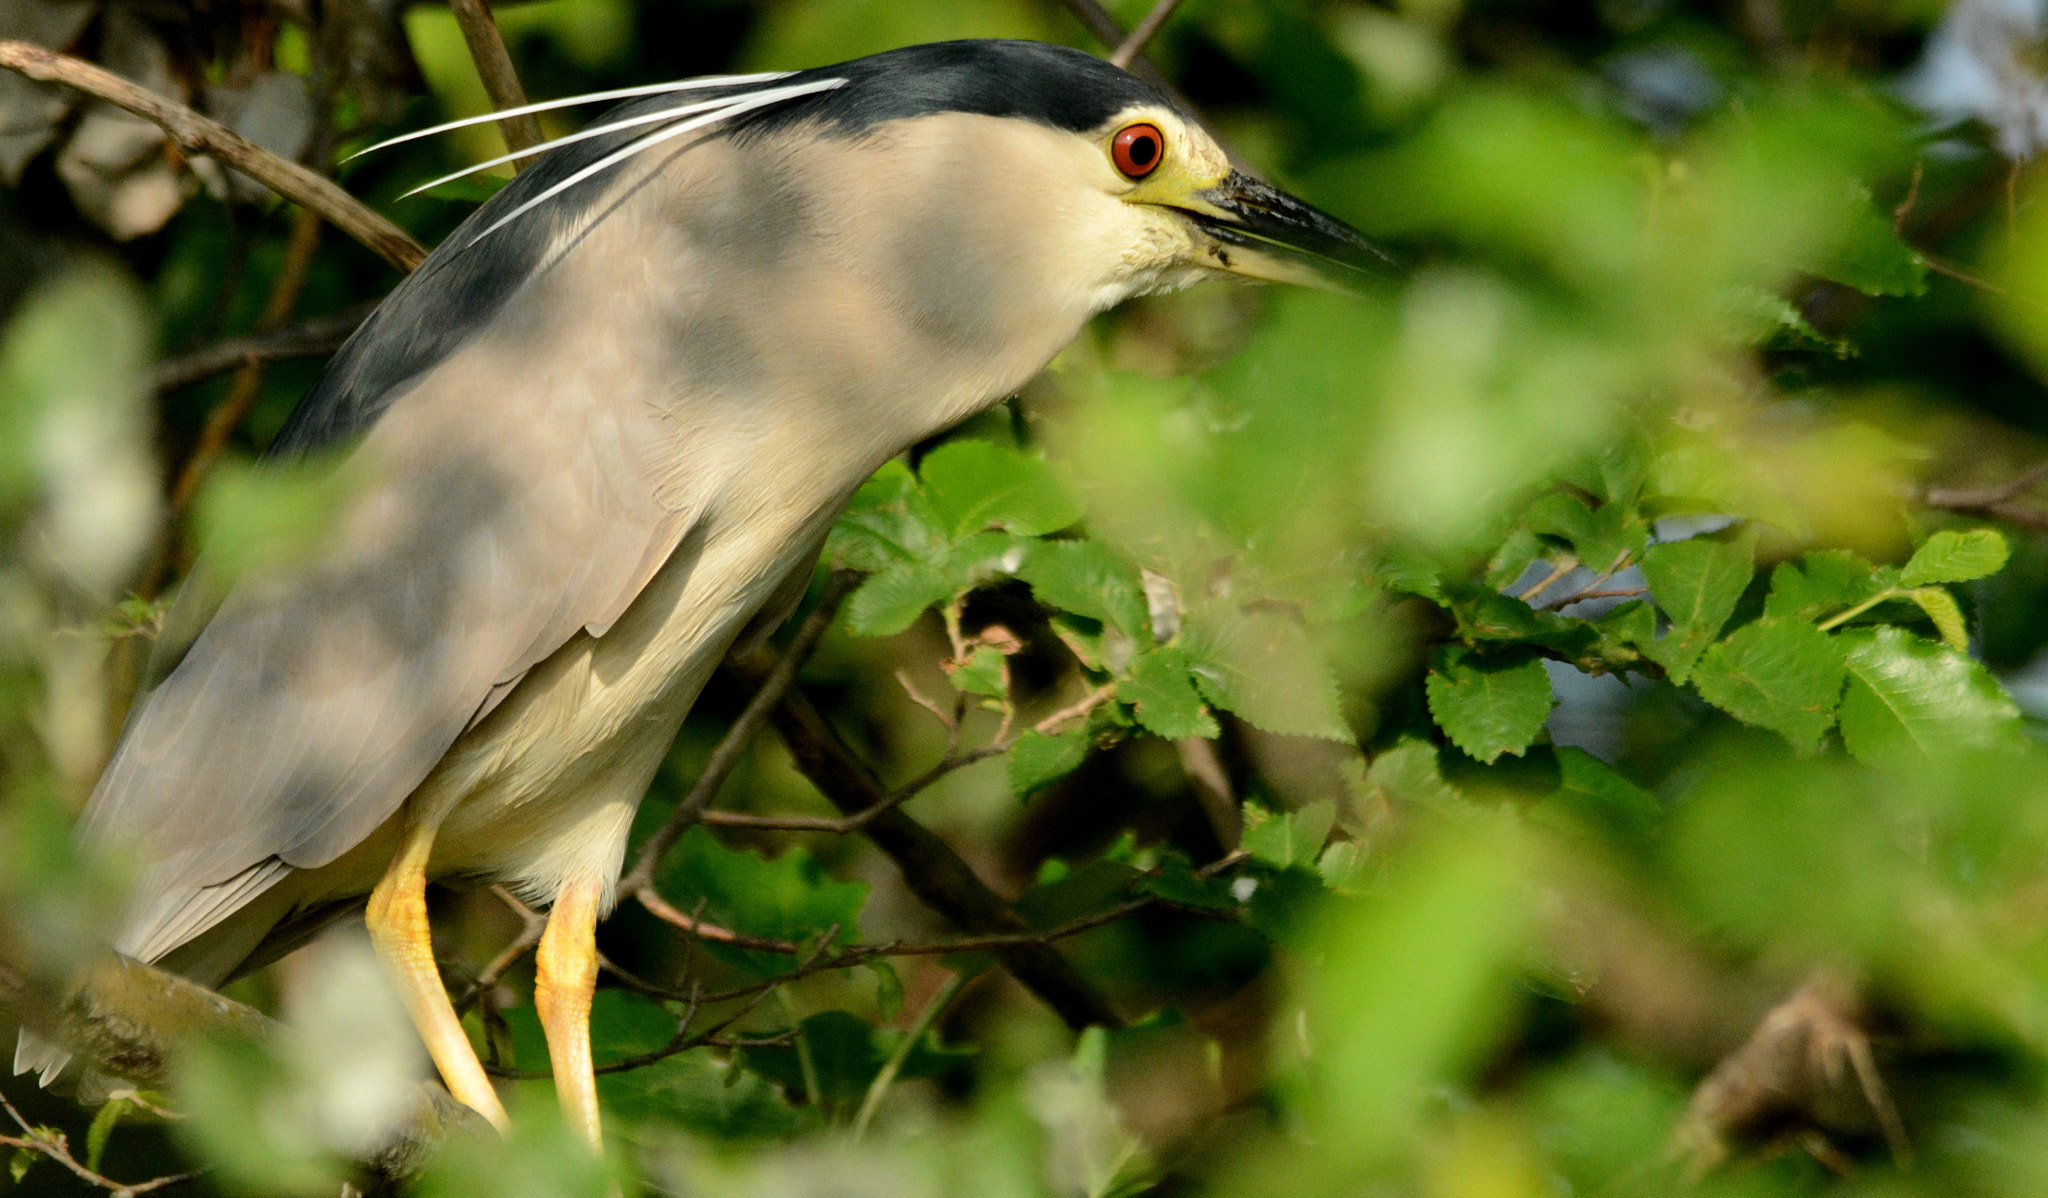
(1783, 675)
(1409, 774)
(1697, 583)
(700, 1093)
(1264, 666)
(18, 1164)
(1907, 693)
(888, 988)
(983, 674)
(1941, 608)
(1288, 838)
(1344, 868)
(1591, 794)
(103, 1122)
(1488, 706)
(624, 1024)
(1163, 692)
(1870, 256)
(888, 522)
(1602, 537)
(892, 600)
(1037, 759)
(1956, 557)
(846, 1054)
(1819, 584)
(1174, 880)
(1083, 577)
(977, 484)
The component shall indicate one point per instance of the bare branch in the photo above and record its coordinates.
(312, 338)
(127, 1019)
(196, 134)
(1143, 32)
(494, 66)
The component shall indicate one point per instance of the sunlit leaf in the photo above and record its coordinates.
(1909, 693)
(1780, 674)
(1949, 557)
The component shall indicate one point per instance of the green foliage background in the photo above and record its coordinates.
(1601, 651)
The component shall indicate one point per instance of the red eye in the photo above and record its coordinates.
(1137, 150)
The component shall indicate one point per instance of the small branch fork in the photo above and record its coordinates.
(196, 134)
(54, 1145)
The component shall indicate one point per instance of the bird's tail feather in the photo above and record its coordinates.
(35, 1054)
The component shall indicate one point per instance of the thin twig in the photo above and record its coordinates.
(196, 134)
(315, 337)
(1558, 569)
(529, 936)
(663, 911)
(1104, 28)
(1143, 32)
(55, 1146)
(1985, 498)
(739, 736)
(494, 66)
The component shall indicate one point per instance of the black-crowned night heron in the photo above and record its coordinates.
(600, 435)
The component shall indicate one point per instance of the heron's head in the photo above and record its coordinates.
(1041, 162)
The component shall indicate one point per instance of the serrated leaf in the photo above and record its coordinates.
(1779, 674)
(1870, 256)
(1941, 608)
(1263, 666)
(1697, 583)
(1491, 705)
(1163, 692)
(889, 521)
(1907, 693)
(1602, 537)
(1956, 557)
(1408, 774)
(1287, 838)
(1820, 583)
(977, 484)
(1344, 868)
(892, 600)
(1037, 759)
(1409, 572)
(982, 675)
(1085, 578)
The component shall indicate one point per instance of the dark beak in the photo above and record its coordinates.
(1257, 230)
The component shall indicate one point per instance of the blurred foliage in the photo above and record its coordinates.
(1567, 721)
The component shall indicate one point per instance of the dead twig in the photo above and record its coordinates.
(196, 134)
(1143, 32)
(494, 66)
(1985, 499)
(312, 338)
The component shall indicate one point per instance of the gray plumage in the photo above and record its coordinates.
(599, 434)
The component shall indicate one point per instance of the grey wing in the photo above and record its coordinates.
(313, 702)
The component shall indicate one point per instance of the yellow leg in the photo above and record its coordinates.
(398, 927)
(565, 975)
